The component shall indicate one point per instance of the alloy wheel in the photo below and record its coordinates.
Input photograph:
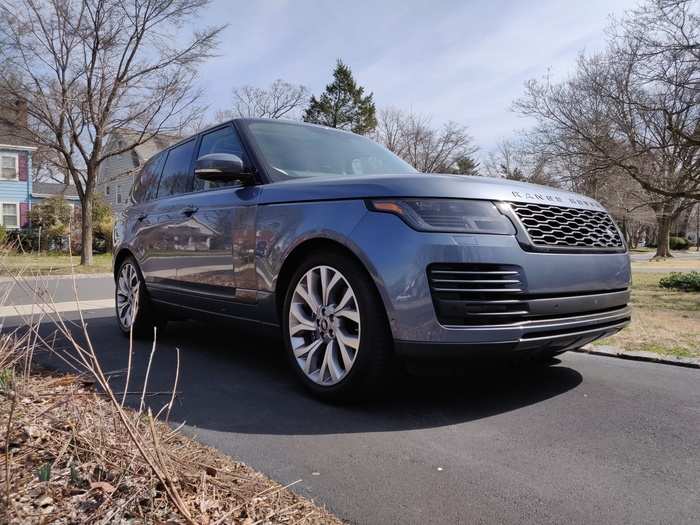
(324, 325)
(128, 285)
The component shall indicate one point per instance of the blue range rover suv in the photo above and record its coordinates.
(357, 257)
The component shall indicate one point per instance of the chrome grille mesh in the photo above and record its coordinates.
(556, 226)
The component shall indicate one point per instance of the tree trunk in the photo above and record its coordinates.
(86, 230)
(663, 236)
(697, 228)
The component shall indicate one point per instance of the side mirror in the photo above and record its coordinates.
(222, 167)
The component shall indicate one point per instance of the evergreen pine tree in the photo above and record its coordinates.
(465, 165)
(343, 104)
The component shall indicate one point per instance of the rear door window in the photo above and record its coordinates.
(146, 184)
(177, 178)
(222, 140)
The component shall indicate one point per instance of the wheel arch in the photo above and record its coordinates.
(303, 249)
(119, 257)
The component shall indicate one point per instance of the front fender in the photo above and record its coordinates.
(283, 227)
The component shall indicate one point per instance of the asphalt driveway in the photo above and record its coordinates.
(586, 440)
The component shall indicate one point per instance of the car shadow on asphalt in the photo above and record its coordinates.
(237, 379)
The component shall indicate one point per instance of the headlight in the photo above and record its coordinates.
(447, 215)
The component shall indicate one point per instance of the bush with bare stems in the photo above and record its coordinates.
(72, 452)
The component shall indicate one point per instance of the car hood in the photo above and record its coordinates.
(419, 185)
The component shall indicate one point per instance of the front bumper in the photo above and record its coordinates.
(573, 298)
(552, 337)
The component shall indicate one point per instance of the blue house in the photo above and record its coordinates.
(15, 169)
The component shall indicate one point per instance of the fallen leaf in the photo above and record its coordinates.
(107, 488)
(48, 500)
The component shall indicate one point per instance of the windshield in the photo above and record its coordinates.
(294, 150)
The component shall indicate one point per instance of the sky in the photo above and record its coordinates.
(465, 61)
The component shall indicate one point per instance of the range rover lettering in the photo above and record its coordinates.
(358, 258)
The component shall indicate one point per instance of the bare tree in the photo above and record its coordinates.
(506, 161)
(514, 161)
(389, 130)
(91, 67)
(615, 117)
(428, 149)
(280, 100)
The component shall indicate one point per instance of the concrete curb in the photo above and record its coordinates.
(29, 277)
(650, 357)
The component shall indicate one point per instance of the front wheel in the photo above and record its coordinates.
(335, 328)
(133, 306)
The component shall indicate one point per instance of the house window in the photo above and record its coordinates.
(10, 215)
(119, 194)
(107, 190)
(8, 167)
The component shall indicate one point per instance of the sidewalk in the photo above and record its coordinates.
(612, 351)
(30, 277)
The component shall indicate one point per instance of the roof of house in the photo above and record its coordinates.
(13, 118)
(49, 189)
(13, 137)
(141, 153)
(130, 162)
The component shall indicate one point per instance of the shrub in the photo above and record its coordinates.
(3, 234)
(102, 224)
(51, 217)
(25, 240)
(678, 243)
(686, 282)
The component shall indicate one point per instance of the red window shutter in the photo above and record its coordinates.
(23, 166)
(23, 214)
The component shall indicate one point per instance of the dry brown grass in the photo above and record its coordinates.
(72, 461)
(663, 321)
(667, 265)
(72, 453)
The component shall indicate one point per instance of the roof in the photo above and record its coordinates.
(252, 120)
(49, 189)
(13, 117)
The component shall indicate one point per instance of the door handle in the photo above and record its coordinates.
(189, 210)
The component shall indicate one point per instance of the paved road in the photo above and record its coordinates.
(60, 289)
(586, 440)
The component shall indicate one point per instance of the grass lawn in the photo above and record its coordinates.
(53, 264)
(663, 321)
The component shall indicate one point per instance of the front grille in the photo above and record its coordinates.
(555, 226)
(477, 293)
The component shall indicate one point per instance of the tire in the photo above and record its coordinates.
(347, 360)
(129, 284)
